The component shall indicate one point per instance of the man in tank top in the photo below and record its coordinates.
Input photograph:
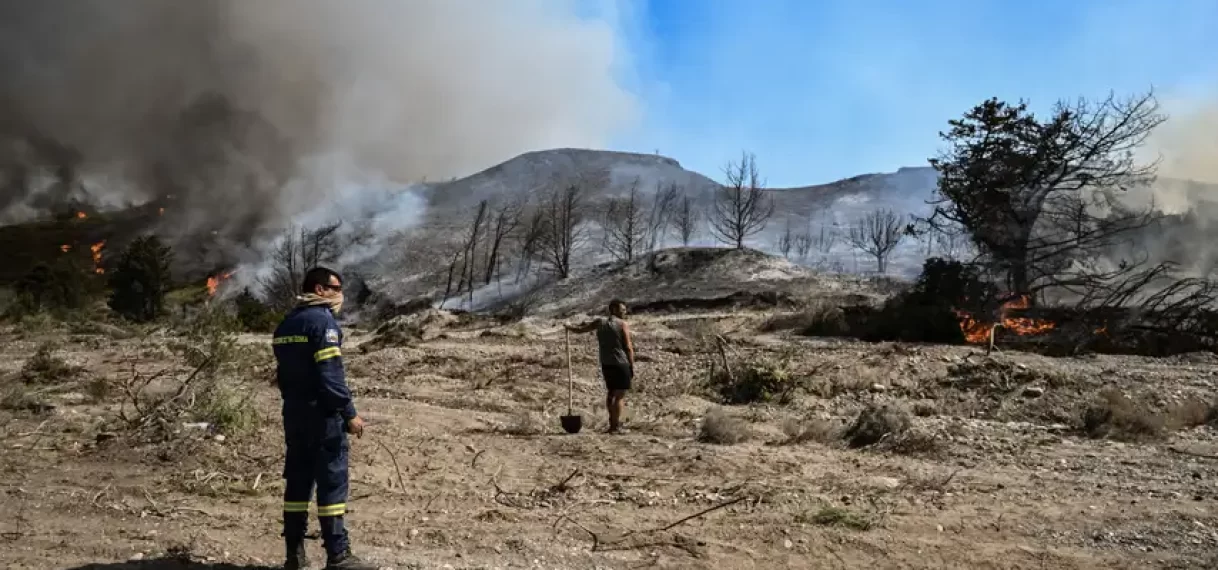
(616, 349)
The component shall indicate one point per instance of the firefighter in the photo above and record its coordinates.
(318, 413)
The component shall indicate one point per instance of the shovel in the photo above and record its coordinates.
(571, 423)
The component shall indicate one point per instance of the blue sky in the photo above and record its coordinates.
(825, 89)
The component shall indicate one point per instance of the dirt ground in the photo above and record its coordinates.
(465, 465)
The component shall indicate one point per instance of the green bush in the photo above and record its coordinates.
(254, 314)
(63, 285)
(141, 279)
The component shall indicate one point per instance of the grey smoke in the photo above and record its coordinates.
(254, 114)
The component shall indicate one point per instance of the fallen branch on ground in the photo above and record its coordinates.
(394, 459)
(598, 543)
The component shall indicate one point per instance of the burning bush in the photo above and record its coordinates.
(141, 279)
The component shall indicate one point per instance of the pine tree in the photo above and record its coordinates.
(141, 279)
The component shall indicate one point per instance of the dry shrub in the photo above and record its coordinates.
(836, 516)
(877, 423)
(925, 409)
(45, 367)
(820, 317)
(1115, 416)
(524, 423)
(720, 428)
(917, 443)
(1192, 413)
(19, 397)
(825, 320)
(758, 380)
(803, 430)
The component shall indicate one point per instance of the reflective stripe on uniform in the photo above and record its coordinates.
(290, 340)
(296, 507)
(332, 510)
(327, 353)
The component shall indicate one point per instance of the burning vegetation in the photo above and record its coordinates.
(213, 282)
(977, 331)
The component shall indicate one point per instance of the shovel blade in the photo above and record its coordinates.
(572, 424)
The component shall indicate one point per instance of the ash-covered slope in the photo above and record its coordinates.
(537, 170)
(683, 278)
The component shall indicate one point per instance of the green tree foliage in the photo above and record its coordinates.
(65, 284)
(141, 279)
(254, 314)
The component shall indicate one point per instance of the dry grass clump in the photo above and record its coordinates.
(718, 427)
(45, 367)
(1115, 416)
(804, 430)
(877, 423)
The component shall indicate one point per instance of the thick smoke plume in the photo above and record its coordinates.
(252, 114)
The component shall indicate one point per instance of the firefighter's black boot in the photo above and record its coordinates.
(348, 561)
(297, 558)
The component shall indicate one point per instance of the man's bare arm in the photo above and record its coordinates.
(629, 343)
(584, 328)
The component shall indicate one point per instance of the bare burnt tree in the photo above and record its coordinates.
(685, 219)
(741, 207)
(298, 251)
(1040, 200)
(877, 234)
(802, 244)
(626, 230)
(660, 216)
(563, 214)
(506, 219)
(529, 241)
(469, 253)
(785, 240)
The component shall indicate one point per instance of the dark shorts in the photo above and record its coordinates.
(617, 376)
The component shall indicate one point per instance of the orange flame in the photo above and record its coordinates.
(977, 331)
(214, 282)
(97, 249)
(65, 248)
(81, 215)
(160, 211)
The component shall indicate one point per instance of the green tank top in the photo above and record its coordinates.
(611, 340)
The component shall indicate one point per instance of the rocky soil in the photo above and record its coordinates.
(465, 465)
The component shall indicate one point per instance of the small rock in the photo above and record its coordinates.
(414, 532)
(879, 388)
(787, 543)
(220, 438)
(136, 557)
(939, 527)
(1033, 392)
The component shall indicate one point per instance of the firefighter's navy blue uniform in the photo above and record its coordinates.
(316, 407)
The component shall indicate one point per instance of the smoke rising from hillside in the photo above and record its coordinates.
(1187, 144)
(253, 113)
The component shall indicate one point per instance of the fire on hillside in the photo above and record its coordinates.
(97, 256)
(213, 282)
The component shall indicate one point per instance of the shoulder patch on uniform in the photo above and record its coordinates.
(332, 335)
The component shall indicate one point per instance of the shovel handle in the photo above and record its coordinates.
(570, 381)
